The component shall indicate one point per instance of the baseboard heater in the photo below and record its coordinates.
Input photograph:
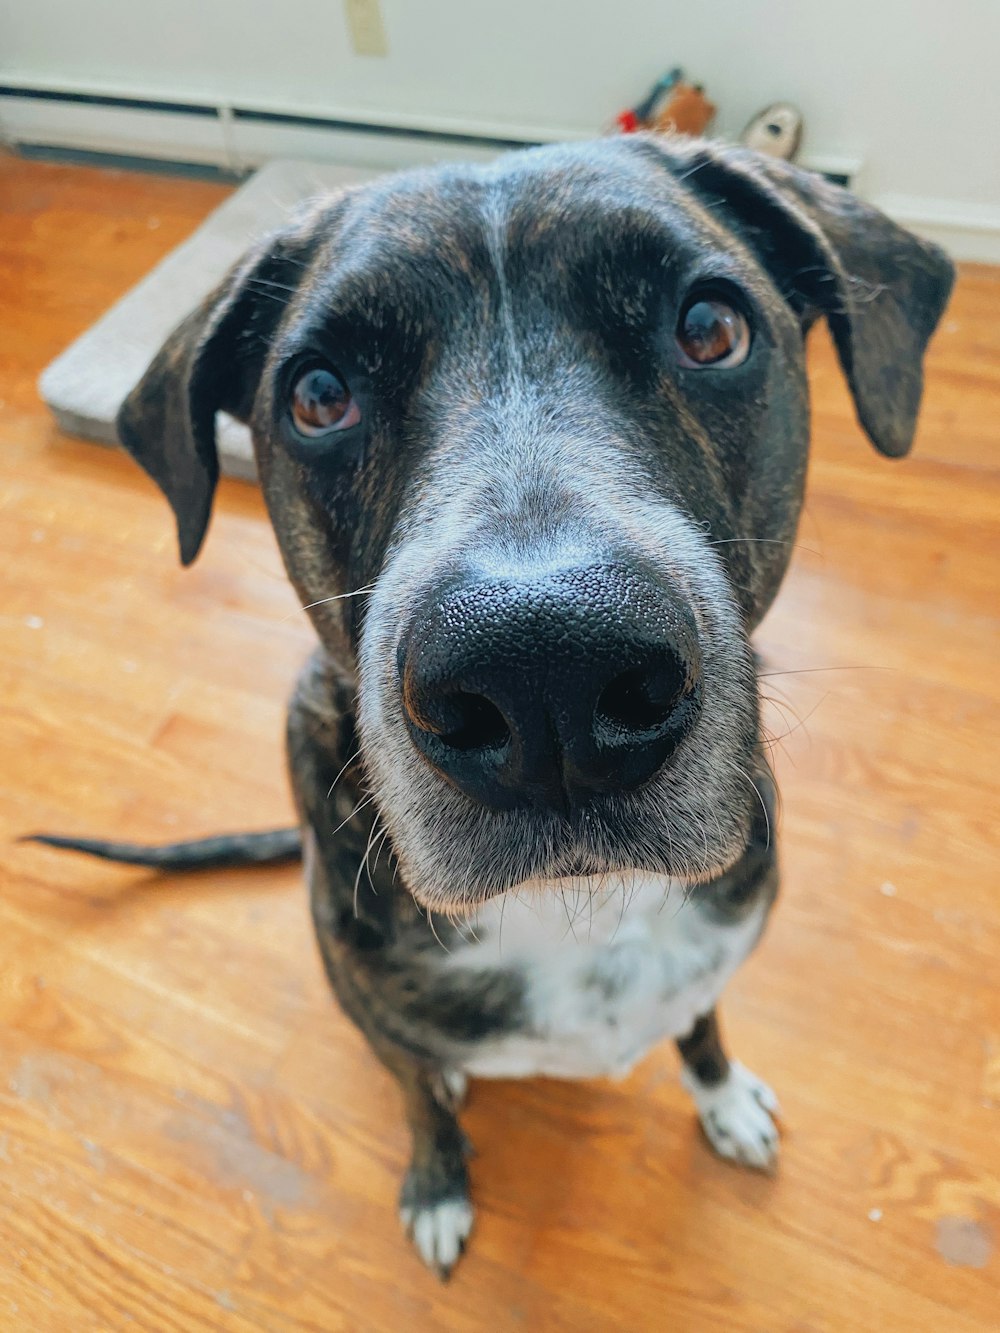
(235, 139)
(231, 139)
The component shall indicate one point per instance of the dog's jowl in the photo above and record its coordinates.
(533, 439)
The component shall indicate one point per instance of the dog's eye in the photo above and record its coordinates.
(712, 332)
(322, 403)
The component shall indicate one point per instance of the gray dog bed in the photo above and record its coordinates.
(87, 384)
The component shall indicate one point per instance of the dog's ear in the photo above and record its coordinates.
(212, 362)
(881, 289)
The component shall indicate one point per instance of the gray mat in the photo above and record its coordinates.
(86, 385)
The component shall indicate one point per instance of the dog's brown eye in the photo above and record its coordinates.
(711, 332)
(322, 403)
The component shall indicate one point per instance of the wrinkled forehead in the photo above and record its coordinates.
(421, 246)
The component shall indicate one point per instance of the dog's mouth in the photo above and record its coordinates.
(574, 901)
(524, 853)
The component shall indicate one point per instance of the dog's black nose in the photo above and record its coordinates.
(550, 690)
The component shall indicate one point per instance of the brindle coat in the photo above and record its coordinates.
(470, 309)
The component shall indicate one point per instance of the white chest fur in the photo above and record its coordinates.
(602, 984)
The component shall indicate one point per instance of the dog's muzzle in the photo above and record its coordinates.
(550, 691)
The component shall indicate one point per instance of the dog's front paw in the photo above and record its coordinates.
(439, 1230)
(737, 1116)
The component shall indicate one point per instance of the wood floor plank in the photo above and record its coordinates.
(192, 1137)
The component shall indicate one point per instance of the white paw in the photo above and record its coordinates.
(737, 1116)
(439, 1231)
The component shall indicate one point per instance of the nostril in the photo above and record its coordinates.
(641, 699)
(472, 723)
(480, 724)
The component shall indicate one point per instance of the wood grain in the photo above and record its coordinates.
(193, 1138)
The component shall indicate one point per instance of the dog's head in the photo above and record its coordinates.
(551, 415)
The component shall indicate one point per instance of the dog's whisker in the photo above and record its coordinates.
(802, 721)
(430, 922)
(373, 866)
(779, 700)
(364, 862)
(621, 913)
(581, 895)
(706, 860)
(765, 541)
(777, 742)
(767, 818)
(569, 920)
(771, 742)
(783, 708)
(809, 671)
(268, 285)
(338, 597)
(353, 759)
(503, 909)
(362, 805)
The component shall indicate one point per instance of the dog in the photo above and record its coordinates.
(533, 440)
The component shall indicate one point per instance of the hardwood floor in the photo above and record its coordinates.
(192, 1136)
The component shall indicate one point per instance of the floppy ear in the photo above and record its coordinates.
(211, 362)
(881, 289)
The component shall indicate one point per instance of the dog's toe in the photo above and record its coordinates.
(451, 1086)
(737, 1117)
(439, 1231)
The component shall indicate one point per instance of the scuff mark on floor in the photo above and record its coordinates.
(963, 1242)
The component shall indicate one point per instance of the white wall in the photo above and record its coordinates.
(910, 87)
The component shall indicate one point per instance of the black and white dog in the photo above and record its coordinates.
(533, 440)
